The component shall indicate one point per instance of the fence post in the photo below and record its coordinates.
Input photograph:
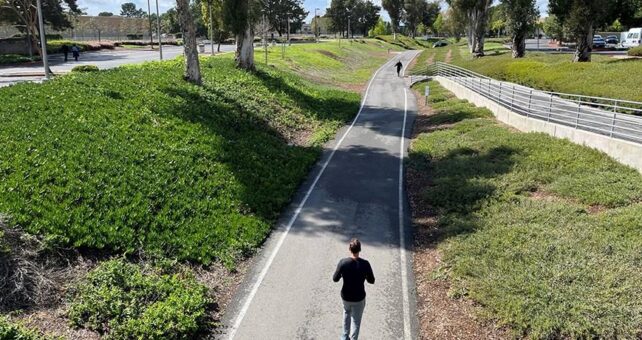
(579, 107)
(512, 99)
(614, 119)
(530, 99)
(500, 91)
(550, 109)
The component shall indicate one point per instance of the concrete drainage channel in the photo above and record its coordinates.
(609, 125)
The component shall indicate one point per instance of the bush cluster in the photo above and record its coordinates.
(635, 51)
(55, 46)
(123, 301)
(85, 68)
(12, 331)
(16, 58)
(137, 158)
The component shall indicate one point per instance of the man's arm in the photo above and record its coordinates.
(370, 275)
(337, 273)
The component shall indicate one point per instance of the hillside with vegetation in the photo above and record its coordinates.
(131, 197)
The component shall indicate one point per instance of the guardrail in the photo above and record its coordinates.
(615, 118)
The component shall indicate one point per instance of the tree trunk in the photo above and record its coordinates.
(245, 49)
(519, 45)
(584, 45)
(192, 67)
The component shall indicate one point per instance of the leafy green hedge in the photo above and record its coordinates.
(55, 46)
(136, 158)
(635, 52)
(122, 301)
(12, 331)
(15, 59)
(541, 232)
(85, 68)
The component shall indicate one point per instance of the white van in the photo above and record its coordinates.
(633, 38)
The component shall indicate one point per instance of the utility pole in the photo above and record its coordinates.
(43, 40)
(151, 30)
(160, 44)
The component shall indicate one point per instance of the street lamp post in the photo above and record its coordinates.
(160, 44)
(43, 40)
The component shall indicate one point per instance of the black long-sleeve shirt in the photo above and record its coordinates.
(354, 272)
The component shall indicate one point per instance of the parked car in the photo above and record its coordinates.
(440, 43)
(612, 40)
(633, 38)
(598, 42)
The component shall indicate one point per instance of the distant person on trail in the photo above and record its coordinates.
(75, 51)
(65, 51)
(399, 66)
(354, 271)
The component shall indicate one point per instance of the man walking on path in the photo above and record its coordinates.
(65, 51)
(399, 66)
(354, 271)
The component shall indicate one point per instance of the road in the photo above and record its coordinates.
(543, 46)
(355, 191)
(104, 59)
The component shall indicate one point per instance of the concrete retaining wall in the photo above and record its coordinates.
(625, 152)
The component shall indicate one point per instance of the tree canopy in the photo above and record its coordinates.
(129, 9)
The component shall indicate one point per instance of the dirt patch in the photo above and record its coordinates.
(542, 195)
(329, 54)
(449, 56)
(440, 316)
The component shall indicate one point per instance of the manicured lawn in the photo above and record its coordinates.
(135, 159)
(542, 233)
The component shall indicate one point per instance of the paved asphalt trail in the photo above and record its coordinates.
(355, 191)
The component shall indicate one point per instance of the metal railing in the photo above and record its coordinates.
(615, 118)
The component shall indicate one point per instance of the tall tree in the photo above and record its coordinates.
(169, 21)
(240, 16)
(192, 66)
(280, 12)
(476, 14)
(23, 15)
(579, 18)
(105, 14)
(454, 23)
(521, 16)
(129, 9)
(431, 13)
(395, 11)
(413, 14)
(366, 15)
(218, 31)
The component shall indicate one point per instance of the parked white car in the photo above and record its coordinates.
(633, 38)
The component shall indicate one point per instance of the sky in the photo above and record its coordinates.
(93, 7)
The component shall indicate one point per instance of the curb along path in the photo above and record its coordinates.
(355, 191)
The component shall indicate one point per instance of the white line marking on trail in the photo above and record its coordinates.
(261, 277)
(402, 240)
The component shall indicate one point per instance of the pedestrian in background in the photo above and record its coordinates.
(399, 66)
(75, 51)
(65, 51)
(354, 271)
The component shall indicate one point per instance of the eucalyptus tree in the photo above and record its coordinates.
(521, 16)
(475, 14)
(186, 19)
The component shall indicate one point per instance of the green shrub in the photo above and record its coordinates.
(15, 59)
(12, 331)
(123, 301)
(635, 51)
(137, 158)
(85, 68)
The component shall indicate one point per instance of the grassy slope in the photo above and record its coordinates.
(543, 233)
(352, 63)
(196, 173)
(603, 77)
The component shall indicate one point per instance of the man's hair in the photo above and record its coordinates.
(355, 246)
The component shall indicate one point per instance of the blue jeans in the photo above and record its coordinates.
(352, 312)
